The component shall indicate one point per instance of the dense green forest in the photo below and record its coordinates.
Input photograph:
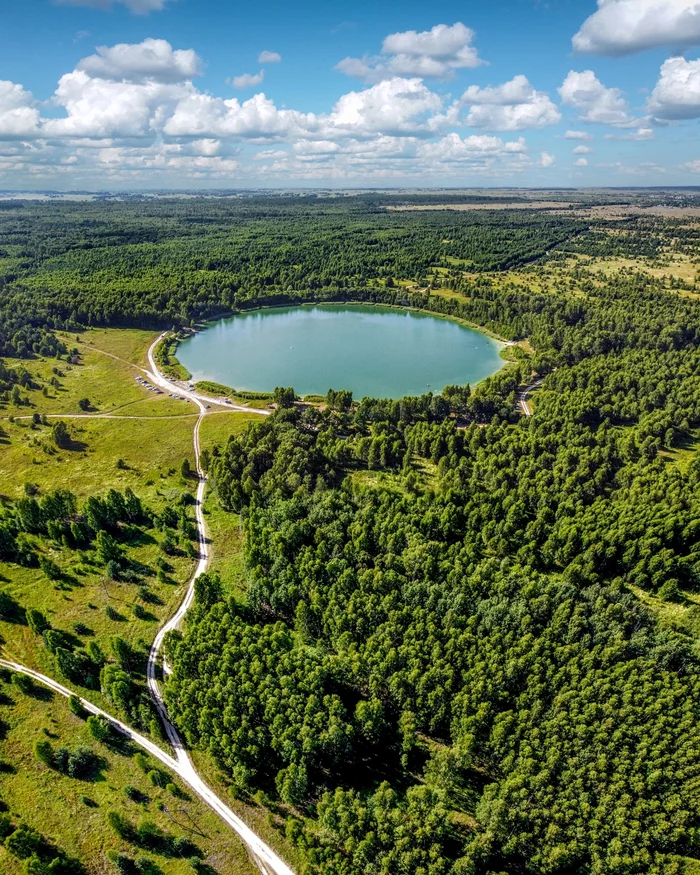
(153, 263)
(443, 663)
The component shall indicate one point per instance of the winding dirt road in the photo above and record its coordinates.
(267, 861)
(522, 397)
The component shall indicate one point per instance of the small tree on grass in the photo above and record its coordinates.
(23, 683)
(107, 548)
(50, 568)
(100, 730)
(84, 404)
(60, 435)
(37, 621)
(44, 752)
(76, 706)
(186, 469)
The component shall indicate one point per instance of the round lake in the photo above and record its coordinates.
(374, 351)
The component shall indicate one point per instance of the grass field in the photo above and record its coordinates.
(72, 813)
(146, 455)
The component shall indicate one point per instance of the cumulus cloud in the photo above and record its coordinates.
(247, 80)
(393, 106)
(677, 93)
(269, 57)
(547, 160)
(434, 53)
(593, 101)
(106, 108)
(138, 7)
(581, 162)
(582, 150)
(203, 116)
(152, 59)
(513, 106)
(454, 148)
(18, 115)
(578, 135)
(621, 27)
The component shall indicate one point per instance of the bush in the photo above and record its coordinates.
(76, 706)
(23, 683)
(99, 728)
(81, 763)
(135, 794)
(37, 621)
(121, 826)
(50, 568)
(43, 751)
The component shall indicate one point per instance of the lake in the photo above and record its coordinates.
(374, 351)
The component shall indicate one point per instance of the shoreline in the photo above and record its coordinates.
(250, 395)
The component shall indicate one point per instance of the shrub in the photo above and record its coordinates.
(100, 730)
(76, 706)
(23, 683)
(5, 826)
(43, 751)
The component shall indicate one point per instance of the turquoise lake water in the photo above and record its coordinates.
(375, 351)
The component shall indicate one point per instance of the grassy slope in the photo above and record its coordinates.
(153, 451)
(51, 802)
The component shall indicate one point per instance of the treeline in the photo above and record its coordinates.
(162, 263)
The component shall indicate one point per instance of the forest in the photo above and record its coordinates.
(450, 657)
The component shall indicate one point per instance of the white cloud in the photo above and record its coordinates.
(138, 7)
(578, 135)
(640, 134)
(692, 166)
(269, 57)
(582, 150)
(203, 116)
(513, 106)
(677, 93)
(393, 106)
(455, 148)
(152, 59)
(247, 80)
(594, 102)
(547, 160)
(105, 108)
(434, 53)
(621, 27)
(18, 115)
(581, 162)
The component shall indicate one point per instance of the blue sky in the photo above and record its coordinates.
(176, 93)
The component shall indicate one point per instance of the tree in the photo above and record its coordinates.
(100, 730)
(84, 404)
(50, 568)
(76, 706)
(284, 398)
(108, 550)
(60, 434)
(37, 622)
(44, 752)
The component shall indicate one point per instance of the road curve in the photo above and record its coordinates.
(522, 397)
(267, 861)
(162, 381)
